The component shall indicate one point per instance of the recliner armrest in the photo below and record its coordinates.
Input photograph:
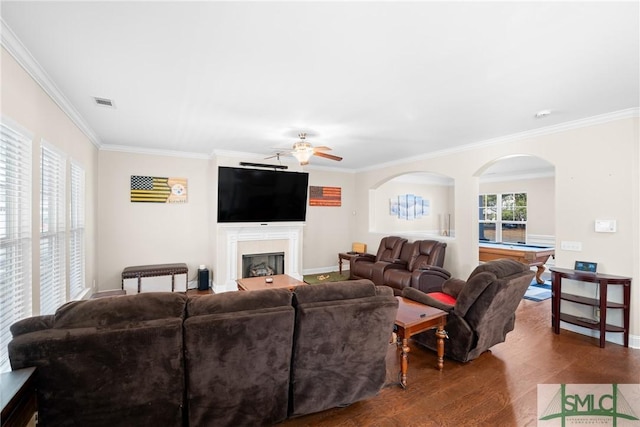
(364, 257)
(436, 270)
(453, 286)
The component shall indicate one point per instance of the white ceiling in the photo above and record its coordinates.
(376, 81)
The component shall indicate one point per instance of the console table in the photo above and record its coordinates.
(18, 397)
(603, 281)
(140, 271)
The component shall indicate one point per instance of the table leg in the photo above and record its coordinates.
(441, 334)
(539, 274)
(404, 364)
(340, 264)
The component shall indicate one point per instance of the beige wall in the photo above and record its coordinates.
(596, 171)
(151, 233)
(540, 201)
(24, 102)
(328, 229)
(440, 198)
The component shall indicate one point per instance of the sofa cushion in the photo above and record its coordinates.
(114, 313)
(106, 377)
(230, 302)
(335, 291)
(238, 357)
(340, 344)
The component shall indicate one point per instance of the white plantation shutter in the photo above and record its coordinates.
(76, 232)
(52, 229)
(15, 231)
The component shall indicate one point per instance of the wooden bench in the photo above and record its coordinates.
(140, 271)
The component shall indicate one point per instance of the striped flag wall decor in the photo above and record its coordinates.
(152, 189)
(325, 196)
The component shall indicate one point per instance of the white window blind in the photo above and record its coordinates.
(52, 229)
(15, 231)
(76, 232)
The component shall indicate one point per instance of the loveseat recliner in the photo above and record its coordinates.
(420, 266)
(232, 359)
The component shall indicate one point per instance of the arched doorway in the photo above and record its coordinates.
(516, 211)
(414, 203)
(516, 201)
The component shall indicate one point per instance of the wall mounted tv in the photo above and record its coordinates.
(256, 195)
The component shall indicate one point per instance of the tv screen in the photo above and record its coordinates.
(256, 195)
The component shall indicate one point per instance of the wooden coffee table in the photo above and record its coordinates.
(279, 281)
(413, 318)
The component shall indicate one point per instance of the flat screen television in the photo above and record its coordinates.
(257, 195)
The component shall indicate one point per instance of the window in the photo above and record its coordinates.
(76, 232)
(15, 231)
(52, 230)
(503, 217)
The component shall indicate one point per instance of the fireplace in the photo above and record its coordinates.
(265, 264)
(234, 241)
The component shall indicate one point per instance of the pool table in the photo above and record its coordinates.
(527, 254)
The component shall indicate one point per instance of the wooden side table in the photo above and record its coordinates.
(345, 255)
(413, 318)
(18, 397)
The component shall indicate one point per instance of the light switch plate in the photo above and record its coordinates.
(605, 225)
(571, 246)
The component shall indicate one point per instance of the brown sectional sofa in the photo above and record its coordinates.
(238, 358)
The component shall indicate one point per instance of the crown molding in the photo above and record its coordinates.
(547, 130)
(19, 52)
(536, 174)
(153, 151)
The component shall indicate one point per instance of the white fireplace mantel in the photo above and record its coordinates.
(285, 237)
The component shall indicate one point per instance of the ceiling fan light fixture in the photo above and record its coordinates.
(303, 155)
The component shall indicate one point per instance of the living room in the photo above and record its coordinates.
(596, 163)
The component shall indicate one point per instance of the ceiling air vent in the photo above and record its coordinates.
(104, 102)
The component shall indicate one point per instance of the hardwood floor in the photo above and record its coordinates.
(497, 389)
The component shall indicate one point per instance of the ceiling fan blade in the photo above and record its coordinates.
(327, 156)
(322, 148)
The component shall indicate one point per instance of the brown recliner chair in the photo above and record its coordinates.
(420, 267)
(481, 310)
(368, 266)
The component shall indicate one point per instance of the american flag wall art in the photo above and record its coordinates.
(153, 189)
(325, 196)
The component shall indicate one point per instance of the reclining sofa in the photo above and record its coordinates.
(400, 264)
(231, 359)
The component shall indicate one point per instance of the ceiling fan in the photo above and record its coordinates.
(303, 150)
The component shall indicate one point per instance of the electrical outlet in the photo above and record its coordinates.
(571, 246)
